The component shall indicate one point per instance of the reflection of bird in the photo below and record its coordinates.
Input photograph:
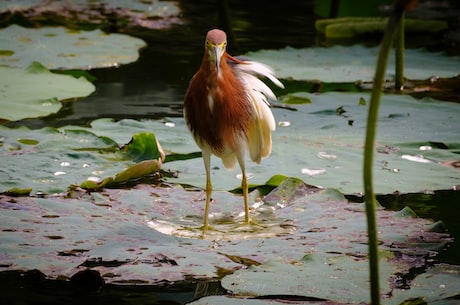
(227, 112)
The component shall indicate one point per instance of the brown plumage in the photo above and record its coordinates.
(225, 108)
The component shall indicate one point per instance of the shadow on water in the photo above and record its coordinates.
(153, 87)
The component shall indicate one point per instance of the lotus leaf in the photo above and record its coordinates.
(149, 14)
(418, 139)
(61, 48)
(321, 143)
(341, 279)
(111, 232)
(66, 157)
(352, 63)
(45, 91)
(144, 146)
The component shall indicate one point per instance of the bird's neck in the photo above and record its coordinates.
(208, 66)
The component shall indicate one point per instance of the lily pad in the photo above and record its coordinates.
(111, 232)
(148, 14)
(322, 144)
(62, 48)
(65, 157)
(342, 279)
(45, 91)
(352, 63)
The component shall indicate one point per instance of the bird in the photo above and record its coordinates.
(226, 109)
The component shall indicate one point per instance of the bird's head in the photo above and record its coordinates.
(216, 43)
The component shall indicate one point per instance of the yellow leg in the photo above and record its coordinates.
(208, 200)
(207, 166)
(244, 183)
(244, 186)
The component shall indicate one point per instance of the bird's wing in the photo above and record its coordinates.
(259, 135)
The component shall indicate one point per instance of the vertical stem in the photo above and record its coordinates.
(369, 196)
(399, 57)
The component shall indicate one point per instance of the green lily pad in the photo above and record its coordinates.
(352, 63)
(323, 146)
(316, 143)
(61, 48)
(298, 98)
(144, 146)
(45, 91)
(69, 156)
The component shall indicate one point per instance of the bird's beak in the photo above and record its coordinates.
(219, 50)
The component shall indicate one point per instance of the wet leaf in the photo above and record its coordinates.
(45, 91)
(148, 234)
(352, 63)
(144, 146)
(61, 48)
(15, 192)
(322, 149)
(96, 14)
(295, 99)
(68, 156)
(138, 170)
(319, 147)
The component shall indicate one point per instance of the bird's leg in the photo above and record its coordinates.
(244, 185)
(207, 165)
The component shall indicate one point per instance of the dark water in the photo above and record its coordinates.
(153, 87)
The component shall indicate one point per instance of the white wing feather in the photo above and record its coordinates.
(259, 136)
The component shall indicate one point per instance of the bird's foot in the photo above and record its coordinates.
(252, 222)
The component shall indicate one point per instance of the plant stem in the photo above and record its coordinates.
(399, 57)
(369, 196)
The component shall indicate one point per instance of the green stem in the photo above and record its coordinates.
(369, 195)
(399, 57)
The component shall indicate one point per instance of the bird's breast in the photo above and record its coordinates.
(218, 111)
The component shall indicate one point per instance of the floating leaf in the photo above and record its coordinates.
(317, 241)
(352, 63)
(61, 158)
(322, 149)
(15, 192)
(317, 139)
(292, 99)
(44, 91)
(61, 48)
(147, 14)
